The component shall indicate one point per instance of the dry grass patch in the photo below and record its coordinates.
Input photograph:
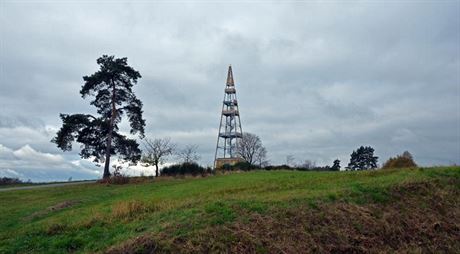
(129, 209)
(53, 208)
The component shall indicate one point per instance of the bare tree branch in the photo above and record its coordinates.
(157, 151)
(251, 149)
(189, 154)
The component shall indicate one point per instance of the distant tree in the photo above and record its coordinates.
(290, 160)
(308, 165)
(250, 148)
(111, 87)
(261, 157)
(362, 159)
(9, 180)
(404, 160)
(336, 165)
(189, 154)
(156, 152)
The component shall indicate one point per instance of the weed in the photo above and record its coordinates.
(128, 209)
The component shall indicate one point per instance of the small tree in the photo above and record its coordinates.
(336, 165)
(250, 148)
(362, 159)
(261, 158)
(189, 154)
(111, 87)
(290, 160)
(405, 160)
(308, 165)
(156, 152)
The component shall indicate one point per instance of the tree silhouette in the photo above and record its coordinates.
(111, 86)
(250, 148)
(156, 152)
(336, 165)
(189, 154)
(362, 159)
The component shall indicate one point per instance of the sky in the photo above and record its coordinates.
(314, 80)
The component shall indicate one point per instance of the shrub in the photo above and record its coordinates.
(278, 167)
(186, 168)
(242, 165)
(116, 178)
(404, 160)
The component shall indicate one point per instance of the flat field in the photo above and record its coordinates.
(408, 210)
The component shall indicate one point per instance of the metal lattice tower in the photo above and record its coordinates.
(230, 131)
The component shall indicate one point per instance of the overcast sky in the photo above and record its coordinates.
(314, 80)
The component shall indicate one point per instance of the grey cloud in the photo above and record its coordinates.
(313, 79)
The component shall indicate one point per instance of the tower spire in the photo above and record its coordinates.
(230, 81)
(230, 132)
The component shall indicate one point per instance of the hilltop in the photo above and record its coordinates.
(414, 210)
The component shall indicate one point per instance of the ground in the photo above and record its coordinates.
(410, 210)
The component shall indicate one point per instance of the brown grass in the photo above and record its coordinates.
(53, 208)
(418, 218)
(129, 209)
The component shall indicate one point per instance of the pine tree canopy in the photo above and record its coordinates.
(362, 159)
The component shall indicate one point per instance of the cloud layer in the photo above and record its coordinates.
(313, 80)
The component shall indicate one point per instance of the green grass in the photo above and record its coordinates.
(102, 216)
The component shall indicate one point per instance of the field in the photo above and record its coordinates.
(410, 210)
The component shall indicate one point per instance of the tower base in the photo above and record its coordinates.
(220, 162)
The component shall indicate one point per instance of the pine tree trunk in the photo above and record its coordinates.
(107, 155)
(109, 136)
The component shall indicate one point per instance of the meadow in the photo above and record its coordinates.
(408, 210)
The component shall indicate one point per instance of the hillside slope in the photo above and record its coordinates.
(415, 210)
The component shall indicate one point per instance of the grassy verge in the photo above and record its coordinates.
(242, 212)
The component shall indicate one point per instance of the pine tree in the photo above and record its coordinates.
(362, 159)
(111, 86)
(336, 165)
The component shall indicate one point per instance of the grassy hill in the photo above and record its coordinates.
(415, 210)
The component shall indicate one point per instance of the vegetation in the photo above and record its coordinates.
(112, 87)
(186, 168)
(189, 154)
(410, 210)
(336, 165)
(10, 181)
(156, 151)
(362, 159)
(251, 149)
(405, 160)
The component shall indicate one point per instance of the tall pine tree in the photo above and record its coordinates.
(111, 87)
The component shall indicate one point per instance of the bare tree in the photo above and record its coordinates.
(261, 157)
(189, 154)
(156, 152)
(290, 160)
(250, 148)
(308, 164)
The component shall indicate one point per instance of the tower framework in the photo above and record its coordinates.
(230, 131)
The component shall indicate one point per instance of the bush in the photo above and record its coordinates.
(404, 160)
(278, 167)
(186, 168)
(242, 165)
(116, 178)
